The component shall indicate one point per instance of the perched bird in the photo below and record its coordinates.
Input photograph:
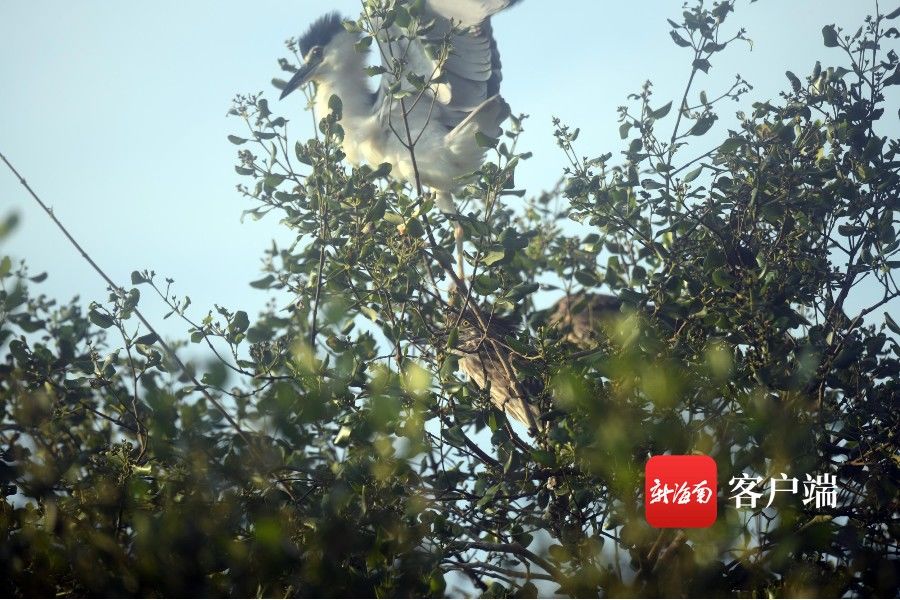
(481, 363)
(581, 316)
(442, 122)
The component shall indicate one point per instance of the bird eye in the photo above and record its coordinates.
(317, 52)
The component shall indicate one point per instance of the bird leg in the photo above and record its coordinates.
(458, 235)
(448, 207)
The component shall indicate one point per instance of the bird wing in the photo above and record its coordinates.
(468, 12)
(470, 75)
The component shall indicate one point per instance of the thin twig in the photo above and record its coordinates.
(181, 366)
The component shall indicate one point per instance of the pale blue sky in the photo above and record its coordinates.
(115, 113)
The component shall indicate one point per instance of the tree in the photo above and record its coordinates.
(336, 448)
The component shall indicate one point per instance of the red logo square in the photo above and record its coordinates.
(680, 491)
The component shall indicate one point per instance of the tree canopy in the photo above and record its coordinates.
(671, 299)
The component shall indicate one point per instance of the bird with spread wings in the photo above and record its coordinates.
(424, 116)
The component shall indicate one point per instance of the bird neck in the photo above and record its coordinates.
(349, 82)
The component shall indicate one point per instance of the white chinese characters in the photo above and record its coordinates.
(820, 490)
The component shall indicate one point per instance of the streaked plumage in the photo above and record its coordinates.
(582, 315)
(580, 319)
(479, 360)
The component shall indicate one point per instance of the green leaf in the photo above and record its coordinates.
(27, 323)
(679, 40)
(632, 297)
(394, 218)
(8, 224)
(343, 436)
(512, 241)
(830, 36)
(239, 322)
(236, 140)
(587, 278)
(452, 338)
(693, 174)
(383, 170)
(891, 323)
(522, 290)
(723, 278)
(148, 339)
(839, 73)
(336, 106)
(262, 284)
(437, 584)
(636, 145)
(702, 125)
(849, 230)
(730, 145)
(484, 141)
(5, 266)
(662, 111)
(137, 278)
(544, 457)
(795, 81)
(486, 284)
(455, 436)
(273, 180)
(402, 17)
(101, 320)
(132, 299)
(494, 257)
(893, 78)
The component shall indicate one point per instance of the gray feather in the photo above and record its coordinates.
(472, 70)
(468, 12)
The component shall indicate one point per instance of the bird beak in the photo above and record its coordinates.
(300, 78)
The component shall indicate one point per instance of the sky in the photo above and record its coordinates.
(115, 112)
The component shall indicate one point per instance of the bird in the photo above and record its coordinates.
(580, 317)
(443, 121)
(479, 360)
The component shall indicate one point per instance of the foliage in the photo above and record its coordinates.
(332, 447)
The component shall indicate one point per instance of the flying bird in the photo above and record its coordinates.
(463, 98)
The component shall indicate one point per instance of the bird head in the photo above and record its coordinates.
(324, 48)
